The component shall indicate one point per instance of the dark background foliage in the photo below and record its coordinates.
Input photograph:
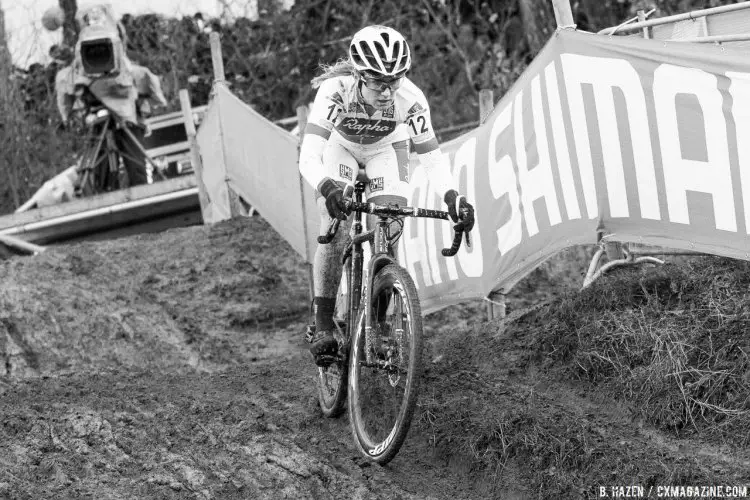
(459, 47)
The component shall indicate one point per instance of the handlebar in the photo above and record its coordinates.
(458, 230)
(395, 211)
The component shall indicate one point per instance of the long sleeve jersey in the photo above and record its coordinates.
(339, 105)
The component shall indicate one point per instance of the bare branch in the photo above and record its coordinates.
(453, 40)
(366, 14)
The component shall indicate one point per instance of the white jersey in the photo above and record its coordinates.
(339, 107)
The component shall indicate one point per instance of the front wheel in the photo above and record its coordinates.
(385, 366)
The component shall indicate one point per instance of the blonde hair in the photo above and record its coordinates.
(342, 67)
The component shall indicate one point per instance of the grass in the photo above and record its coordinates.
(665, 344)
(672, 340)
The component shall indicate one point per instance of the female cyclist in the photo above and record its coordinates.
(363, 116)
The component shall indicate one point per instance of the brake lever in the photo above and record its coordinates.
(464, 212)
(325, 239)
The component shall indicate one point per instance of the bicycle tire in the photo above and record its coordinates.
(332, 379)
(375, 437)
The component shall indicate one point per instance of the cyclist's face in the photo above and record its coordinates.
(378, 92)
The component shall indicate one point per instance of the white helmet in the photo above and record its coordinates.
(381, 50)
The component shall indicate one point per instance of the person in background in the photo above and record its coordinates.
(101, 74)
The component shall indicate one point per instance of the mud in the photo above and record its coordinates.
(173, 366)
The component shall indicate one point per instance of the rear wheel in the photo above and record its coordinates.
(332, 378)
(386, 366)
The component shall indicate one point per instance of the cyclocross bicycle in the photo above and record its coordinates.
(379, 322)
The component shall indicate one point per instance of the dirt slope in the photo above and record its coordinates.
(172, 366)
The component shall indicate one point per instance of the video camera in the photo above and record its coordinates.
(100, 48)
(98, 57)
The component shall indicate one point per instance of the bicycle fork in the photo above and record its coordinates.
(380, 259)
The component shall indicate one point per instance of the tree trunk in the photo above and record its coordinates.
(8, 113)
(5, 60)
(70, 28)
(539, 23)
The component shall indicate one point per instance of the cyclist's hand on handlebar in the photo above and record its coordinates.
(334, 196)
(459, 209)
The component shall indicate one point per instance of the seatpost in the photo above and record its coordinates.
(359, 189)
(356, 263)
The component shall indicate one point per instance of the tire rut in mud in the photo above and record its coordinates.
(252, 432)
(146, 367)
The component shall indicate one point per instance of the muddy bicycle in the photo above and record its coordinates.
(378, 316)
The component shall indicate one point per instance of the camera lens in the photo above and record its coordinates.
(97, 56)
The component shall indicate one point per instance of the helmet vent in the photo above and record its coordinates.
(357, 58)
(396, 50)
(381, 51)
(367, 54)
(402, 62)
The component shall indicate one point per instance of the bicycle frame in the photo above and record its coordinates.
(395, 307)
(382, 252)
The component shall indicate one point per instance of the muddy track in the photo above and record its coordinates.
(151, 368)
(247, 432)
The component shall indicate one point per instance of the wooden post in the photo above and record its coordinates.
(563, 13)
(496, 307)
(642, 17)
(486, 105)
(301, 124)
(236, 207)
(195, 156)
(5, 62)
(216, 58)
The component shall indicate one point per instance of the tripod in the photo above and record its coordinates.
(102, 167)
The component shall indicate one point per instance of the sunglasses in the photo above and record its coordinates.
(379, 85)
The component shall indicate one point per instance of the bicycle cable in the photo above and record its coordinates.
(393, 239)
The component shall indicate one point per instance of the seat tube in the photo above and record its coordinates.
(355, 293)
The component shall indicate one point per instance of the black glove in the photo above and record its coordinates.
(334, 196)
(464, 211)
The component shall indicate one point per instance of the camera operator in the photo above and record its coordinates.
(100, 75)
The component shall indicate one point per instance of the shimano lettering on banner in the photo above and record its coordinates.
(633, 138)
